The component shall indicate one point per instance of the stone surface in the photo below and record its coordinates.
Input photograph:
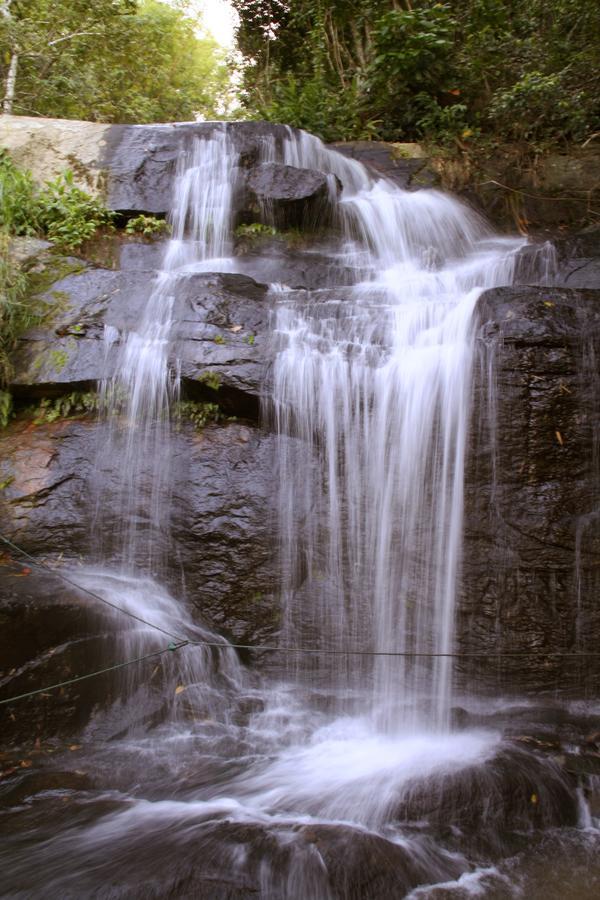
(222, 546)
(532, 519)
(221, 323)
(289, 196)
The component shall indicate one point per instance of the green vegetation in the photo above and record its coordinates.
(255, 230)
(212, 380)
(108, 60)
(60, 211)
(76, 403)
(15, 315)
(147, 226)
(458, 70)
(196, 412)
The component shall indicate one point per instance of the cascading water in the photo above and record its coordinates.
(297, 789)
(376, 381)
(137, 402)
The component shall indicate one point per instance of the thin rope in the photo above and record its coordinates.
(321, 651)
(53, 687)
(85, 590)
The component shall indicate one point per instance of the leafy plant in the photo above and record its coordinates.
(68, 215)
(212, 380)
(15, 315)
(198, 413)
(6, 408)
(147, 226)
(76, 403)
(255, 229)
(19, 209)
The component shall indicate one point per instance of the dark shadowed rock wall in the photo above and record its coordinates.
(531, 577)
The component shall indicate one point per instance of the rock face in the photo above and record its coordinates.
(531, 574)
(221, 330)
(222, 547)
(289, 196)
(532, 525)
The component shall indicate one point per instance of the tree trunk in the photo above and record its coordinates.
(10, 84)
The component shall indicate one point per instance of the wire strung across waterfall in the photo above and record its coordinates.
(181, 642)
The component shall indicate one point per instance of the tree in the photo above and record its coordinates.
(405, 69)
(108, 61)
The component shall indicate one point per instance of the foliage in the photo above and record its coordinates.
(147, 226)
(111, 60)
(68, 215)
(255, 229)
(61, 211)
(6, 408)
(198, 413)
(18, 207)
(14, 314)
(74, 404)
(212, 380)
(409, 70)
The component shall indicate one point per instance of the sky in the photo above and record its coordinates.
(220, 19)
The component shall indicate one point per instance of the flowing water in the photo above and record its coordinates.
(212, 782)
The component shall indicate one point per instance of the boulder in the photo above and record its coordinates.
(405, 164)
(532, 514)
(290, 196)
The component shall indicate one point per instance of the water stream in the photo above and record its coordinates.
(226, 774)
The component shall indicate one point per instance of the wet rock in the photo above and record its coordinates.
(221, 323)
(222, 546)
(492, 808)
(48, 636)
(532, 517)
(290, 196)
(579, 259)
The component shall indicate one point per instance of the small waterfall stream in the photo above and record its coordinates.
(276, 788)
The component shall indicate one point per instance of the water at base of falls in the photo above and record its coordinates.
(342, 779)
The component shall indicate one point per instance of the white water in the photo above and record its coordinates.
(376, 381)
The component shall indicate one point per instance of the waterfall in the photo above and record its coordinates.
(375, 379)
(133, 466)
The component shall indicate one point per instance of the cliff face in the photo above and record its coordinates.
(532, 522)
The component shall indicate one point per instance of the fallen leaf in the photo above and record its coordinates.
(75, 747)
(179, 689)
(26, 763)
(559, 438)
(534, 798)
(548, 303)
(235, 328)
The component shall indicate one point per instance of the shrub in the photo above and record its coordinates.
(147, 226)
(68, 215)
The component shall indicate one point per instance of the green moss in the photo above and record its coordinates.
(210, 379)
(59, 359)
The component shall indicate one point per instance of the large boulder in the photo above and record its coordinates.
(532, 517)
(291, 196)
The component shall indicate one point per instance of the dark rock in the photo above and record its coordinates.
(141, 160)
(48, 635)
(532, 517)
(492, 808)
(222, 545)
(291, 197)
(221, 324)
